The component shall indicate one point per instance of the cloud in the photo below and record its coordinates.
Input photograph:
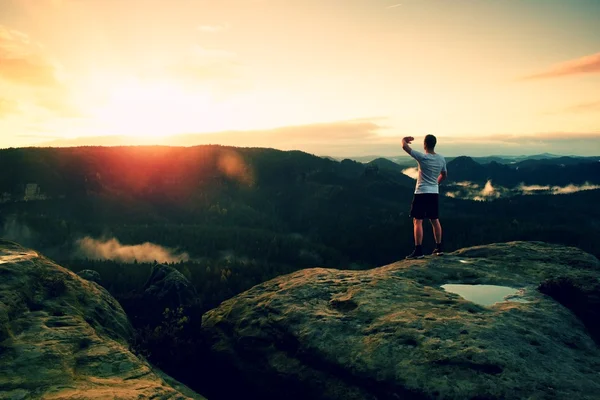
(584, 107)
(218, 68)
(547, 189)
(566, 143)
(394, 5)
(472, 191)
(213, 28)
(22, 61)
(344, 138)
(467, 184)
(527, 189)
(585, 65)
(361, 137)
(33, 77)
(112, 249)
(573, 188)
(490, 192)
(581, 108)
(7, 107)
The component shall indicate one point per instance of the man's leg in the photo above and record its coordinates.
(418, 231)
(437, 230)
(437, 234)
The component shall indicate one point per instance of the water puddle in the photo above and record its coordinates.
(486, 295)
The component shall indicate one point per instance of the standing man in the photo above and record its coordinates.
(432, 171)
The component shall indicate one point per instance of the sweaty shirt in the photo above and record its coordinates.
(430, 167)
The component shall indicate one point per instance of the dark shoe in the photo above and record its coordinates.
(437, 252)
(417, 253)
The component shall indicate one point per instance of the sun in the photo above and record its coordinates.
(154, 110)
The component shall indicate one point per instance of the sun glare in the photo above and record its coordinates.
(155, 110)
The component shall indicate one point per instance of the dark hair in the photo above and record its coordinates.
(430, 142)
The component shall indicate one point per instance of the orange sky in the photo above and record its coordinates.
(337, 77)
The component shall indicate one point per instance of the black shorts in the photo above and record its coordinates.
(425, 205)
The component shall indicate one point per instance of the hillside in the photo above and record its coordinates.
(62, 337)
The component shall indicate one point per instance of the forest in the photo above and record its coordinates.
(244, 216)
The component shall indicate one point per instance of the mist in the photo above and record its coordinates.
(411, 172)
(473, 191)
(112, 249)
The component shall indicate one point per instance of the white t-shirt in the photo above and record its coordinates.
(430, 167)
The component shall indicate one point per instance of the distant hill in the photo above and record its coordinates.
(386, 164)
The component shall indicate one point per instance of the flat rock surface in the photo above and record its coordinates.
(394, 333)
(63, 337)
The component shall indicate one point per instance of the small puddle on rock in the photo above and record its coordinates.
(486, 295)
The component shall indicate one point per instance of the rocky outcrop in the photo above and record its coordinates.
(168, 287)
(395, 333)
(63, 337)
(90, 275)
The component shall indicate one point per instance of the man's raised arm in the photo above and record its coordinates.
(405, 144)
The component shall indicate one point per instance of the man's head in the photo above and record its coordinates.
(430, 142)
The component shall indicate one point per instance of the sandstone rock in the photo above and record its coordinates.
(62, 337)
(394, 333)
(90, 275)
(168, 287)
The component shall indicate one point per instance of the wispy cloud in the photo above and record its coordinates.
(394, 5)
(33, 77)
(112, 249)
(7, 107)
(584, 107)
(572, 188)
(316, 138)
(213, 28)
(585, 65)
(22, 61)
(218, 68)
(471, 191)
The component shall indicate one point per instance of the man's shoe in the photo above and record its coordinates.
(437, 252)
(416, 254)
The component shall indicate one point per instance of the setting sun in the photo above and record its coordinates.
(154, 110)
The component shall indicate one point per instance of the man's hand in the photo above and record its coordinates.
(405, 143)
(443, 176)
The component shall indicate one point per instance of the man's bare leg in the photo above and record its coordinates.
(418, 231)
(437, 230)
(437, 233)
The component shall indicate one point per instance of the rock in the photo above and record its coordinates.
(581, 296)
(63, 337)
(90, 275)
(169, 288)
(394, 333)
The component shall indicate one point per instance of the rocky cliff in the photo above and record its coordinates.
(395, 333)
(63, 337)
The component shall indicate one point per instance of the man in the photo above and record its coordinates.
(432, 171)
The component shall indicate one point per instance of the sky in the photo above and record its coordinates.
(331, 77)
